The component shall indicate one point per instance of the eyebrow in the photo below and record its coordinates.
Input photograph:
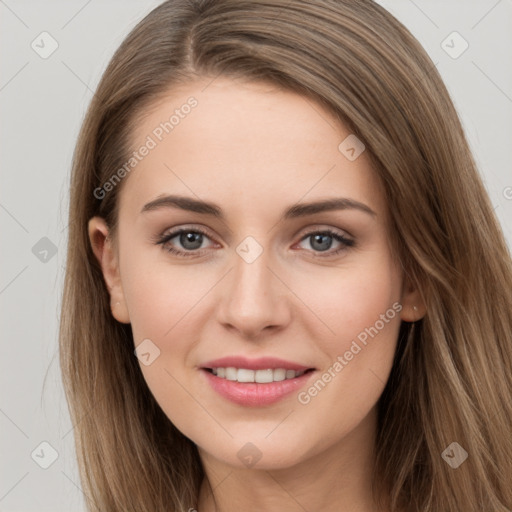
(292, 212)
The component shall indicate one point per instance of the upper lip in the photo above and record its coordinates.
(261, 363)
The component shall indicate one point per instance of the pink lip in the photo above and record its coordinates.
(261, 363)
(253, 394)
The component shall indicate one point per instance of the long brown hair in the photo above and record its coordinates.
(452, 376)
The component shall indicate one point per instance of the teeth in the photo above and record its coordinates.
(263, 376)
(259, 376)
(279, 374)
(231, 373)
(244, 375)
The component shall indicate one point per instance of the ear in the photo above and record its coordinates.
(105, 253)
(413, 304)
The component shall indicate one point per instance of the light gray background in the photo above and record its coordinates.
(42, 104)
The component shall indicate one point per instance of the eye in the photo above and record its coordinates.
(190, 240)
(322, 241)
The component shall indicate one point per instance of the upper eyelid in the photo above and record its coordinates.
(173, 232)
(305, 231)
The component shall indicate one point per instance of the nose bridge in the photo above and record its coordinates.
(252, 277)
(254, 299)
(251, 267)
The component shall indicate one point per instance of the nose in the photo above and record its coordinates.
(254, 299)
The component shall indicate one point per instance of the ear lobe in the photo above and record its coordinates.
(413, 304)
(105, 253)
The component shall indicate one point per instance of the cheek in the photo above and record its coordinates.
(349, 300)
(163, 303)
(360, 306)
(166, 304)
(349, 385)
(162, 298)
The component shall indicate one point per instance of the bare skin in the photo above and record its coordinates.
(255, 151)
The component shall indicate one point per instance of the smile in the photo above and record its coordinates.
(256, 382)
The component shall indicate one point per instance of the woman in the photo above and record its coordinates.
(286, 288)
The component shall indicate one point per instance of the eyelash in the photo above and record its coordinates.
(162, 240)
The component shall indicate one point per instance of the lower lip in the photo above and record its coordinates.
(254, 394)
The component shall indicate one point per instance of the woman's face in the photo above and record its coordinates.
(267, 277)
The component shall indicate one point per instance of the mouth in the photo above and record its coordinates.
(255, 382)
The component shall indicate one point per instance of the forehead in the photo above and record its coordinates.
(242, 141)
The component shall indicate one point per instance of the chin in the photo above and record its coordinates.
(260, 454)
